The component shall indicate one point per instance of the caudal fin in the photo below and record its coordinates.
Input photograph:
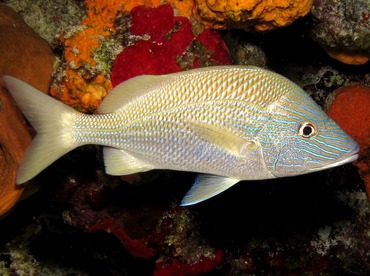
(52, 121)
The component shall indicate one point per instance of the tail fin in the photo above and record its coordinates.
(51, 119)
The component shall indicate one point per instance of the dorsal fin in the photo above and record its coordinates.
(141, 85)
(129, 91)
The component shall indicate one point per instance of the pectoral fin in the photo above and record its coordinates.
(207, 186)
(224, 139)
(119, 162)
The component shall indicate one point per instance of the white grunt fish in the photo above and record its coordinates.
(231, 123)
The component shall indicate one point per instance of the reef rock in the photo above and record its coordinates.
(342, 28)
(25, 55)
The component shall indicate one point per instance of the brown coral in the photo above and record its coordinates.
(259, 15)
(14, 138)
(25, 55)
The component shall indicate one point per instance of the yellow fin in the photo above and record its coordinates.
(118, 162)
(223, 139)
(207, 186)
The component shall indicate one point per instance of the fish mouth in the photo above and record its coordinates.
(348, 158)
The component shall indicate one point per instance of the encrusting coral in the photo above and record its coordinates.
(251, 14)
(25, 55)
(350, 109)
(83, 85)
(172, 45)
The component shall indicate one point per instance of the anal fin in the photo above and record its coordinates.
(118, 162)
(207, 186)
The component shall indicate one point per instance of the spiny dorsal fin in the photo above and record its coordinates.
(128, 91)
(207, 186)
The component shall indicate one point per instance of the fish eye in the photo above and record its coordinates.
(307, 130)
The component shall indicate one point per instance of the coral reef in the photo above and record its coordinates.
(342, 28)
(318, 82)
(82, 79)
(251, 14)
(168, 45)
(25, 55)
(349, 107)
(21, 261)
(145, 228)
(90, 48)
(175, 267)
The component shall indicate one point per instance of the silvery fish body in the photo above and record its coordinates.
(230, 123)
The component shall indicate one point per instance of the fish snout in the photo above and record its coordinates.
(349, 154)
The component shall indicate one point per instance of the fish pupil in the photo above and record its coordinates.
(307, 130)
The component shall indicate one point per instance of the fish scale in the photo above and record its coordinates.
(230, 123)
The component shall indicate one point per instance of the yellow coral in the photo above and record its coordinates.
(80, 93)
(83, 86)
(260, 15)
(99, 21)
(182, 8)
(128, 5)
